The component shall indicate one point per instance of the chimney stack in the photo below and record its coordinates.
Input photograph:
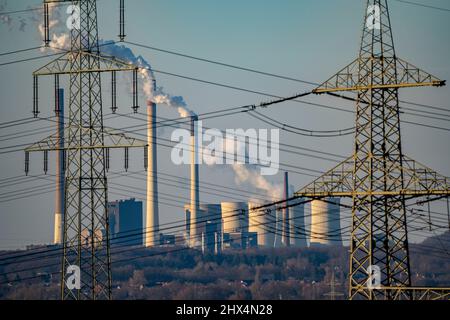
(152, 214)
(195, 240)
(285, 232)
(60, 168)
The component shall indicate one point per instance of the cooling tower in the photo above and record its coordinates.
(195, 237)
(234, 217)
(152, 214)
(325, 222)
(263, 222)
(60, 176)
(297, 225)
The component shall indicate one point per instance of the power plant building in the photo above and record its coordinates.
(208, 226)
(126, 222)
(297, 233)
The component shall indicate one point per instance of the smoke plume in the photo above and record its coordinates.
(60, 39)
(155, 94)
(248, 174)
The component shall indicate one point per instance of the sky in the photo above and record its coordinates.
(303, 39)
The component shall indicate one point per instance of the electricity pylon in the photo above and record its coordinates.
(333, 294)
(86, 146)
(378, 177)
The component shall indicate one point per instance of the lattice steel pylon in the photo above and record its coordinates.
(378, 177)
(87, 141)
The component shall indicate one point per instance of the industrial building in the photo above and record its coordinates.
(208, 226)
(297, 233)
(126, 222)
(238, 225)
(211, 221)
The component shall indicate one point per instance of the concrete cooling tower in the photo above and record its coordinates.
(325, 222)
(234, 217)
(263, 222)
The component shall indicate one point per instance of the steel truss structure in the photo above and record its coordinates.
(86, 145)
(378, 177)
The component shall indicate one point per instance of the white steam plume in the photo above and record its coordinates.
(59, 39)
(247, 174)
(156, 95)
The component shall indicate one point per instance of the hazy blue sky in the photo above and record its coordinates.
(304, 39)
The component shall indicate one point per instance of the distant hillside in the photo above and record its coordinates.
(179, 273)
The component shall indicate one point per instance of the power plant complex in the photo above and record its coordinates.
(209, 227)
(378, 184)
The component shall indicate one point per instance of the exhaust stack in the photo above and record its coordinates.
(195, 240)
(60, 168)
(285, 230)
(152, 214)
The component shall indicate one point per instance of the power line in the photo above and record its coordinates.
(4, 13)
(259, 71)
(273, 231)
(55, 4)
(19, 51)
(417, 216)
(423, 5)
(221, 63)
(428, 251)
(29, 59)
(187, 121)
(236, 215)
(285, 127)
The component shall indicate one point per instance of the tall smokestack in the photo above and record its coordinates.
(285, 232)
(152, 214)
(195, 240)
(60, 176)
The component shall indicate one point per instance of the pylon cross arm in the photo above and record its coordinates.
(419, 180)
(350, 79)
(62, 64)
(337, 180)
(114, 139)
